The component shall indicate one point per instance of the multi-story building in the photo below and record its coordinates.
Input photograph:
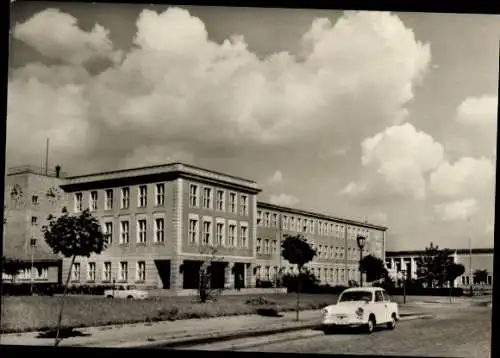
(30, 195)
(472, 259)
(163, 222)
(333, 238)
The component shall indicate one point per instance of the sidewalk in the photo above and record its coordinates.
(143, 334)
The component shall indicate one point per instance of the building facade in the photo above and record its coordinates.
(30, 195)
(333, 238)
(163, 222)
(474, 259)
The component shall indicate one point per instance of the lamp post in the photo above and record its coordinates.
(361, 240)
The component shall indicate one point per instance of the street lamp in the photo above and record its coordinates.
(403, 278)
(361, 244)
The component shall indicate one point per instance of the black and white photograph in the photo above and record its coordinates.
(250, 179)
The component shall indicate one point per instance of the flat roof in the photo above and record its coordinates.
(474, 251)
(316, 215)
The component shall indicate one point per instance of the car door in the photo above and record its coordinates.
(379, 307)
(387, 306)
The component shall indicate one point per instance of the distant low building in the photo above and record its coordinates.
(475, 259)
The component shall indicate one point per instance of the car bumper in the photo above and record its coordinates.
(347, 321)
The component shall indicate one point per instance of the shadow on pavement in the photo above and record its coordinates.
(64, 333)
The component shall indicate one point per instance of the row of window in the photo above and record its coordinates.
(142, 198)
(324, 274)
(38, 273)
(123, 272)
(299, 224)
(207, 200)
(141, 231)
(228, 233)
(466, 280)
(270, 247)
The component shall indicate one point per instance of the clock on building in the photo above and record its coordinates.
(53, 195)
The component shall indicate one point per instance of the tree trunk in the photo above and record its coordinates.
(299, 284)
(59, 320)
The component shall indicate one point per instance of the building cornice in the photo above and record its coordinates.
(264, 205)
(475, 251)
(159, 173)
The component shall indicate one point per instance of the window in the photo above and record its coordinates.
(292, 223)
(274, 220)
(93, 201)
(220, 200)
(207, 198)
(193, 231)
(34, 221)
(266, 247)
(75, 272)
(299, 224)
(34, 199)
(160, 194)
(207, 233)
(259, 217)
(259, 245)
(106, 271)
(141, 231)
(108, 203)
(91, 271)
(378, 296)
(244, 205)
(220, 234)
(141, 271)
(159, 230)
(124, 232)
(275, 247)
(143, 196)
(125, 198)
(320, 228)
(108, 232)
(193, 196)
(243, 235)
(489, 280)
(267, 218)
(42, 273)
(325, 228)
(78, 202)
(232, 235)
(123, 272)
(232, 203)
(285, 222)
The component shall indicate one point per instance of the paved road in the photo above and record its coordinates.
(451, 333)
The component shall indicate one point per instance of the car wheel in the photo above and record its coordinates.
(329, 329)
(370, 326)
(392, 323)
(130, 297)
(109, 296)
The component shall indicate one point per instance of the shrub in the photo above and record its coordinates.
(264, 284)
(258, 301)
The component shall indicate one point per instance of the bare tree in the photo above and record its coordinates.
(205, 290)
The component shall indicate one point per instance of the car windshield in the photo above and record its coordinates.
(356, 296)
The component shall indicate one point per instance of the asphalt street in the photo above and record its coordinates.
(455, 332)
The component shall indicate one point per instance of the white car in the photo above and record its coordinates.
(362, 306)
(128, 292)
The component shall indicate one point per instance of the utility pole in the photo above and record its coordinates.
(470, 259)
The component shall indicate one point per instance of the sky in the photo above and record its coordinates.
(378, 116)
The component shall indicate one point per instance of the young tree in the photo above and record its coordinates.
(73, 236)
(373, 267)
(297, 251)
(480, 276)
(11, 267)
(432, 265)
(452, 271)
(205, 291)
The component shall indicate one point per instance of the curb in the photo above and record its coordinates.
(192, 341)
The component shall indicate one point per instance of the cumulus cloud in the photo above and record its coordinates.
(457, 210)
(56, 35)
(186, 93)
(478, 111)
(378, 217)
(276, 178)
(353, 188)
(464, 177)
(284, 199)
(402, 155)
